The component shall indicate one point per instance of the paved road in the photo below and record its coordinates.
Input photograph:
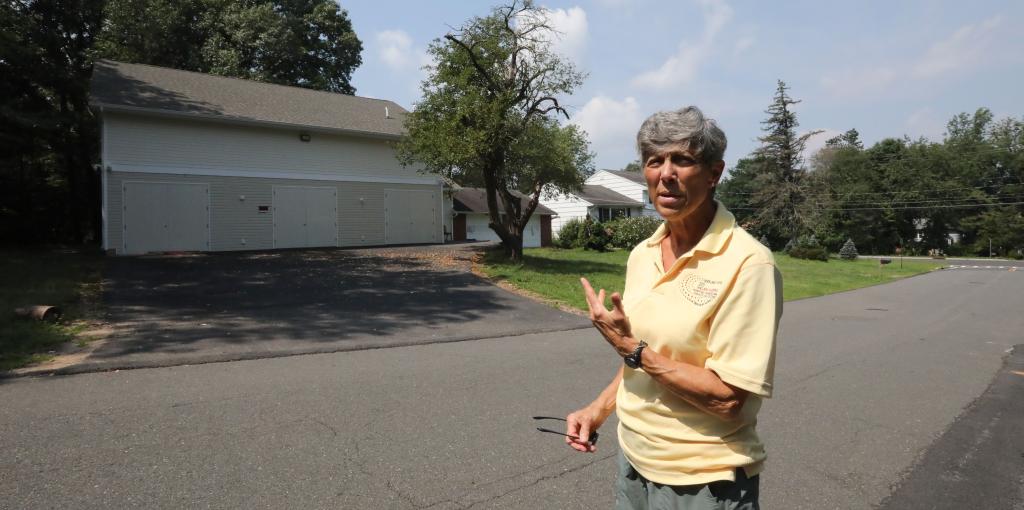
(978, 462)
(208, 307)
(866, 381)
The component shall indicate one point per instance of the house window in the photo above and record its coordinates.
(607, 213)
(647, 201)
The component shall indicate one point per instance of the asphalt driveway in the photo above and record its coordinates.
(200, 308)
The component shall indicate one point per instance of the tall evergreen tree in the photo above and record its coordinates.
(779, 197)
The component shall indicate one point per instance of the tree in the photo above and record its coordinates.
(738, 187)
(633, 166)
(851, 138)
(779, 197)
(306, 43)
(488, 116)
(48, 188)
(848, 251)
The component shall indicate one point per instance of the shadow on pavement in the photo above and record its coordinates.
(204, 307)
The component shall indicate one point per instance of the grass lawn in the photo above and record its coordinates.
(65, 278)
(555, 273)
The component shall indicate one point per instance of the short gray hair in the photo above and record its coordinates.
(687, 128)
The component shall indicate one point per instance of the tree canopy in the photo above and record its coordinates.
(488, 116)
(306, 43)
(958, 195)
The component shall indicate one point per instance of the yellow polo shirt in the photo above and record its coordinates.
(717, 307)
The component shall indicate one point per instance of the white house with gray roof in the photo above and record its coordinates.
(195, 162)
(607, 194)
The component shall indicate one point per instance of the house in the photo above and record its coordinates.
(471, 219)
(196, 162)
(606, 195)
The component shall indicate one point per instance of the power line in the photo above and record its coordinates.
(904, 192)
(902, 208)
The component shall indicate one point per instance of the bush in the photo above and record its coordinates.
(764, 240)
(569, 234)
(807, 247)
(809, 253)
(629, 232)
(789, 245)
(594, 236)
(848, 251)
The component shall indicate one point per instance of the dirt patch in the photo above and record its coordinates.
(71, 353)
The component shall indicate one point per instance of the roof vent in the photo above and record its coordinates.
(387, 114)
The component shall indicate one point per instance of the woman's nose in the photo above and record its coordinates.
(668, 171)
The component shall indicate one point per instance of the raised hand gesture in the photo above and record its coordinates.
(613, 324)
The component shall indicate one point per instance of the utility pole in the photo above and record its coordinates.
(990, 247)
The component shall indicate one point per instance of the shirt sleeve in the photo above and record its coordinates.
(743, 331)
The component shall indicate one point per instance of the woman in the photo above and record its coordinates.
(696, 329)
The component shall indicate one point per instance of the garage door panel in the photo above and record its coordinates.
(161, 216)
(188, 212)
(412, 216)
(321, 217)
(289, 217)
(305, 217)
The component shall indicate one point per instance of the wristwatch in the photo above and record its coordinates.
(632, 359)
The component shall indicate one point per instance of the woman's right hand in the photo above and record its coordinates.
(581, 424)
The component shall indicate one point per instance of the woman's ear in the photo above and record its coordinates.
(716, 172)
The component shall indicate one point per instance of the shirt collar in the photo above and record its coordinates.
(715, 237)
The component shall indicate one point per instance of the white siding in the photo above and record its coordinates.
(566, 207)
(163, 145)
(236, 222)
(476, 228)
(623, 186)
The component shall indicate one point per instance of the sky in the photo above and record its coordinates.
(887, 69)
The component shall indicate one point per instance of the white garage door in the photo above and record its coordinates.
(165, 216)
(305, 217)
(411, 216)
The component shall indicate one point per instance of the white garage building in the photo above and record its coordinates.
(194, 162)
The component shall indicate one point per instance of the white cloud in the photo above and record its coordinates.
(610, 124)
(682, 67)
(571, 30)
(964, 48)
(395, 48)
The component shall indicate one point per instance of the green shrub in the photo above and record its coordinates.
(569, 234)
(629, 232)
(809, 253)
(594, 236)
(848, 251)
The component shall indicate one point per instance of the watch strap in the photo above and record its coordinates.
(633, 359)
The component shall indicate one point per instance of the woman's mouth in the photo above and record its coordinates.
(669, 199)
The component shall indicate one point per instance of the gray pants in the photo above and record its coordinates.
(634, 492)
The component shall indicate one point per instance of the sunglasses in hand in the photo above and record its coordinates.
(593, 435)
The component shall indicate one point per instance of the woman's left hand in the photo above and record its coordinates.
(613, 324)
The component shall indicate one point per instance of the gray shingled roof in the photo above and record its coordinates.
(600, 195)
(475, 200)
(637, 177)
(137, 87)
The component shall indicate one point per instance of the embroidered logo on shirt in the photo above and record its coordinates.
(699, 290)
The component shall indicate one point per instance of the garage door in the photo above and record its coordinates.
(305, 217)
(411, 216)
(166, 216)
